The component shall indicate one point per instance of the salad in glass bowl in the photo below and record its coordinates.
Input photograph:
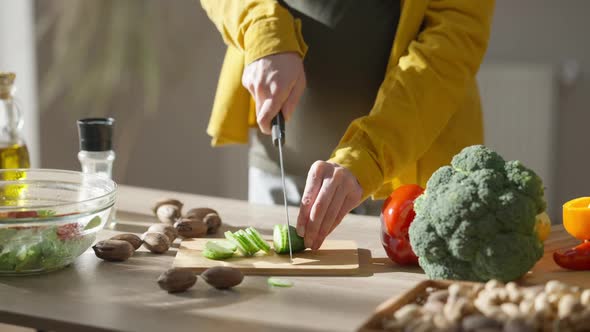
(50, 217)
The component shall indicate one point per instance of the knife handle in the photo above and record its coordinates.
(278, 129)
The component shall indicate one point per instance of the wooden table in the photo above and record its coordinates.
(93, 295)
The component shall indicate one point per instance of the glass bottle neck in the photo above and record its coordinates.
(10, 122)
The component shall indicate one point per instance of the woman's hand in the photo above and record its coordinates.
(331, 191)
(276, 82)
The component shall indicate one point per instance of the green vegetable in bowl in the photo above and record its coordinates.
(39, 248)
(94, 222)
(476, 219)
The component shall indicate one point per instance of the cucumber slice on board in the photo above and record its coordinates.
(216, 255)
(278, 282)
(250, 245)
(218, 247)
(281, 240)
(226, 244)
(238, 242)
(257, 238)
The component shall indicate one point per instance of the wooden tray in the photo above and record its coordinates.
(335, 257)
(387, 308)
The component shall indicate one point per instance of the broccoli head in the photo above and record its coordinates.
(476, 218)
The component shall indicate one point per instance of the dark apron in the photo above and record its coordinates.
(349, 45)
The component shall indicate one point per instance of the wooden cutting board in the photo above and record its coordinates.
(335, 257)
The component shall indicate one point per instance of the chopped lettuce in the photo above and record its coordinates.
(35, 249)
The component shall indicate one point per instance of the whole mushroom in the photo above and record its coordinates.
(168, 210)
(213, 223)
(207, 215)
(199, 213)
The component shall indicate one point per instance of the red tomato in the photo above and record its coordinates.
(19, 214)
(576, 258)
(396, 216)
(68, 231)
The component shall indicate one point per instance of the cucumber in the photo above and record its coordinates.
(219, 250)
(217, 246)
(238, 242)
(216, 255)
(251, 245)
(257, 239)
(277, 282)
(281, 240)
(226, 244)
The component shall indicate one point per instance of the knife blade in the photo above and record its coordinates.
(278, 139)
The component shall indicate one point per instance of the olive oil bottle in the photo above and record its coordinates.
(13, 150)
(15, 156)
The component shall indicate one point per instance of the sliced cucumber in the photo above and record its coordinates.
(257, 238)
(251, 245)
(277, 239)
(281, 240)
(219, 250)
(216, 254)
(239, 243)
(278, 282)
(226, 244)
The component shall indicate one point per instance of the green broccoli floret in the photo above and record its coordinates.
(476, 218)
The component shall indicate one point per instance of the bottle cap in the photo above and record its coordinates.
(6, 82)
(96, 134)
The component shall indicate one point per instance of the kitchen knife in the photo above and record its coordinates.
(278, 139)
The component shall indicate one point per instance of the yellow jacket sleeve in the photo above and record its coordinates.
(252, 29)
(256, 27)
(420, 93)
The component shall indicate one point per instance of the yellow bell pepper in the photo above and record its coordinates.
(576, 218)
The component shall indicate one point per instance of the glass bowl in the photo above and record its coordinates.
(50, 217)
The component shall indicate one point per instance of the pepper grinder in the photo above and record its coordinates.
(96, 149)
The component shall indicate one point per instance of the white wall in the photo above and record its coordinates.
(551, 32)
(172, 150)
(17, 54)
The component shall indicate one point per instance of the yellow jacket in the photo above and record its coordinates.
(427, 108)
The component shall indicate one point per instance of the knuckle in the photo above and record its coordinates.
(338, 175)
(275, 88)
(358, 193)
(257, 83)
(318, 165)
(325, 190)
(319, 205)
(306, 199)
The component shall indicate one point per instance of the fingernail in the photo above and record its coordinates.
(307, 243)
